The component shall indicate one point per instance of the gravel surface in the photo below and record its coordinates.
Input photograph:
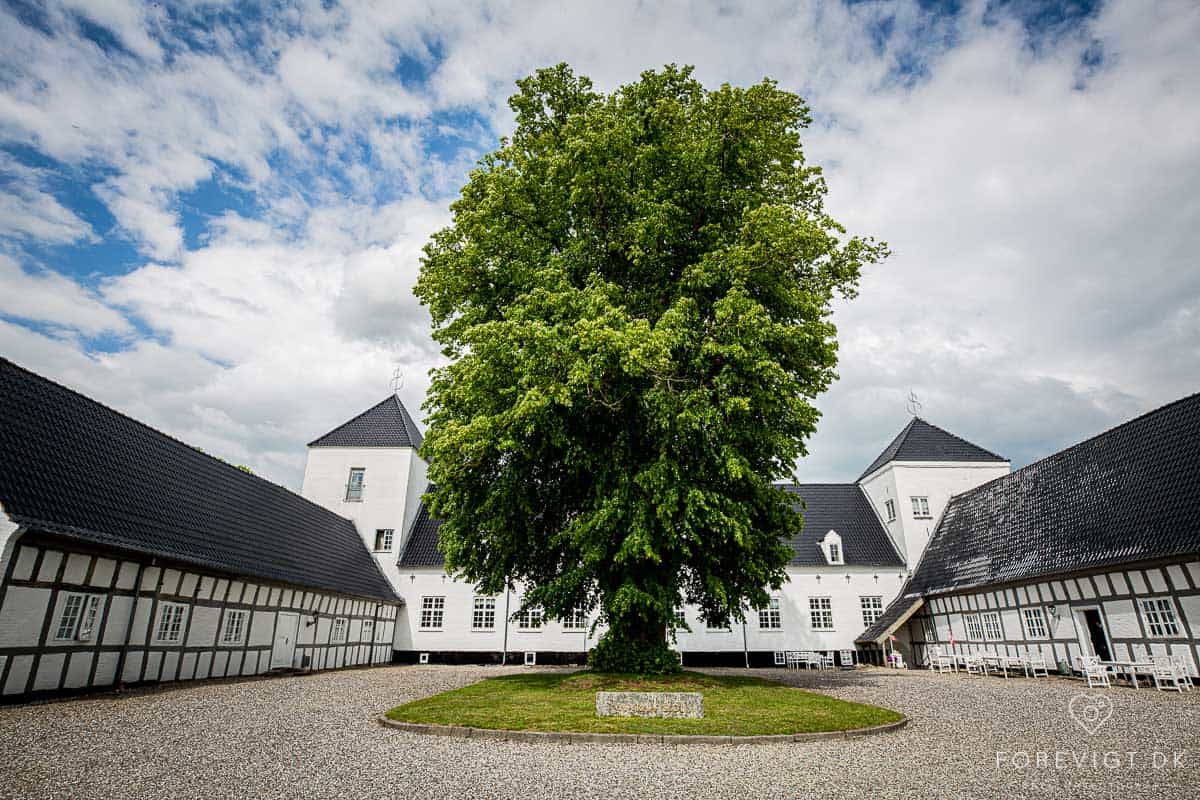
(315, 736)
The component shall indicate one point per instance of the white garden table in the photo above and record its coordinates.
(1129, 669)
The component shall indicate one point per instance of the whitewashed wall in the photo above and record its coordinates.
(937, 480)
(394, 479)
(843, 585)
(43, 571)
(1116, 593)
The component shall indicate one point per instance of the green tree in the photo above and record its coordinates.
(634, 296)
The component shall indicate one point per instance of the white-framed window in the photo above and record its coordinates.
(889, 507)
(771, 617)
(433, 613)
(355, 484)
(383, 540)
(235, 627)
(680, 618)
(712, 625)
(575, 621)
(974, 627)
(368, 631)
(78, 618)
(991, 626)
(872, 609)
(920, 506)
(341, 626)
(170, 622)
(483, 614)
(1159, 613)
(530, 619)
(832, 545)
(820, 611)
(1034, 620)
(930, 629)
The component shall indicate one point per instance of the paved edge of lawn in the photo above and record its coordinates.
(570, 737)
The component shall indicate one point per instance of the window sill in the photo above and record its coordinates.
(922, 516)
(430, 630)
(483, 630)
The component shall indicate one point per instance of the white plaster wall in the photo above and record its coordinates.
(937, 480)
(797, 633)
(389, 473)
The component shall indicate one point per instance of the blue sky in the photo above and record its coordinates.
(211, 215)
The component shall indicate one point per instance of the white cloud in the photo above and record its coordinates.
(1043, 217)
(58, 302)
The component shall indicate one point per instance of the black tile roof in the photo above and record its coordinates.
(386, 424)
(421, 545)
(1130, 494)
(920, 441)
(842, 507)
(72, 467)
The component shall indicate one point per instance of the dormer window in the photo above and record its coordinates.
(355, 484)
(832, 546)
(920, 506)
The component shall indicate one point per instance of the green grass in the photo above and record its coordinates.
(733, 706)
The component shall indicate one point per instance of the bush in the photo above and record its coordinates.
(633, 657)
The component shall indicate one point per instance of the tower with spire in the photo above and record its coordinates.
(368, 470)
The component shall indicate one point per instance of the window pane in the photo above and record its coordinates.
(72, 610)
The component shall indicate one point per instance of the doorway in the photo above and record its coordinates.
(283, 651)
(1093, 635)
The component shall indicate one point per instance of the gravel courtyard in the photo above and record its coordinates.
(316, 737)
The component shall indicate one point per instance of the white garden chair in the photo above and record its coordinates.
(847, 658)
(1181, 669)
(1035, 667)
(1166, 674)
(1095, 673)
(827, 661)
(975, 665)
(793, 658)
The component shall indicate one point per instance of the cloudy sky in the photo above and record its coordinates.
(212, 221)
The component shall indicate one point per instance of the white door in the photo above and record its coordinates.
(284, 649)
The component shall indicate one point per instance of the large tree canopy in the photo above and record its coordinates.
(634, 295)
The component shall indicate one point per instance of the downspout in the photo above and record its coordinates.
(745, 648)
(504, 653)
(137, 588)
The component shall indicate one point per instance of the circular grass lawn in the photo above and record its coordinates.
(734, 705)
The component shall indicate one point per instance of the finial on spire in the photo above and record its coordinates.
(397, 380)
(913, 404)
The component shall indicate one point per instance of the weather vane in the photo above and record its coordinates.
(913, 404)
(397, 380)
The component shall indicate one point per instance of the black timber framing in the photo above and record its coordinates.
(168, 589)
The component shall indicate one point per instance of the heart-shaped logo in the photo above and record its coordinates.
(1090, 710)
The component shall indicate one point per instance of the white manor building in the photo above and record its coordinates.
(860, 543)
(129, 557)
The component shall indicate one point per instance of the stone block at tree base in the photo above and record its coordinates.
(650, 704)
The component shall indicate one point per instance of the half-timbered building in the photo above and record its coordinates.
(1094, 550)
(130, 557)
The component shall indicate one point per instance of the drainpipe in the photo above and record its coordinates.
(504, 654)
(745, 648)
(137, 589)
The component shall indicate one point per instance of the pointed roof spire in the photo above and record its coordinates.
(386, 424)
(920, 441)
